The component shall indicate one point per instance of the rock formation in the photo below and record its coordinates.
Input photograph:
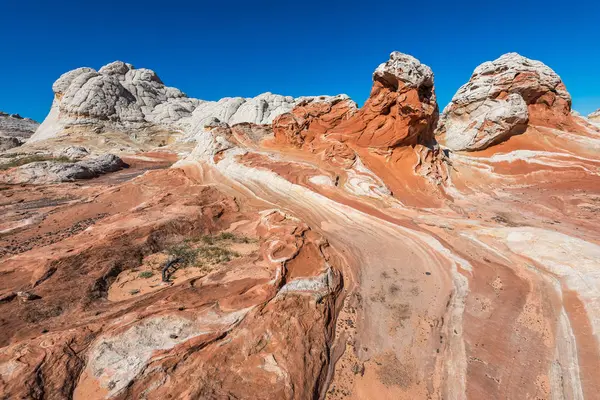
(121, 97)
(9, 142)
(595, 116)
(336, 253)
(392, 130)
(43, 172)
(401, 109)
(13, 125)
(499, 100)
(309, 119)
(14, 130)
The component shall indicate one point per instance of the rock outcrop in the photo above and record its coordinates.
(499, 100)
(9, 142)
(595, 116)
(401, 109)
(393, 131)
(121, 97)
(310, 119)
(13, 125)
(44, 172)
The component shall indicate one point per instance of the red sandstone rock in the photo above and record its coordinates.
(340, 255)
(401, 110)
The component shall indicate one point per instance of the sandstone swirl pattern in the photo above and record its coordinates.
(325, 250)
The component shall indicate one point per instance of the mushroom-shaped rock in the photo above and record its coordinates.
(499, 100)
(401, 109)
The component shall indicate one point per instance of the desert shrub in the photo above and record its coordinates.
(186, 254)
(208, 252)
(146, 274)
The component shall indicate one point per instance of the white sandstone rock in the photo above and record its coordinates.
(405, 68)
(13, 125)
(493, 105)
(119, 96)
(44, 172)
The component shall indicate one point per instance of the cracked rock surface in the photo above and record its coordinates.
(496, 102)
(119, 96)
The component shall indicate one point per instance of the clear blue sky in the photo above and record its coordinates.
(242, 48)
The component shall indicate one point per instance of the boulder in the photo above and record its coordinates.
(44, 172)
(9, 142)
(499, 100)
(74, 152)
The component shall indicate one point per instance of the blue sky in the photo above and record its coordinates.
(242, 48)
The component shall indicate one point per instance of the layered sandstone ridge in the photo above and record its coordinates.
(499, 100)
(595, 116)
(119, 96)
(13, 125)
(14, 130)
(390, 136)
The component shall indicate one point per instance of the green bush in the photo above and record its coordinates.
(186, 254)
(208, 252)
(146, 274)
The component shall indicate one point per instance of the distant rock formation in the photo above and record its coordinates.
(14, 130)
(498, 101)
(119, 96)
(595, 116)
(13, 125)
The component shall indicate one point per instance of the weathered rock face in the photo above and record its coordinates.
(119, 96)
(312, 118)
(9, 142)
(44, 172)
(595, 116)
(401, 109)
(393, 130)
(13, 125)
(498, 101)
(253, 308)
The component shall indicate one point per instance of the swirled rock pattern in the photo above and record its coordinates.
(338, 253)
(497, 102)
(401, 109)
